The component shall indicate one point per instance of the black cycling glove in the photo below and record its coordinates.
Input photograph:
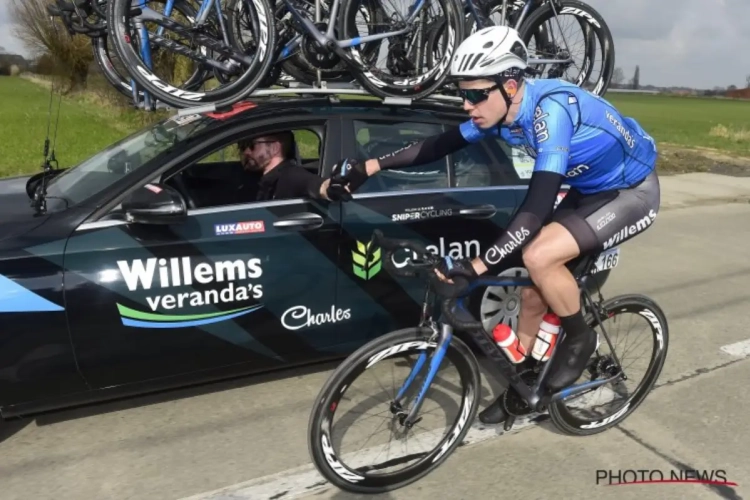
(350, 173)
(459, 271)
(337, 191)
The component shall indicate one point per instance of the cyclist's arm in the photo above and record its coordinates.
(553, 128)
(431, 149)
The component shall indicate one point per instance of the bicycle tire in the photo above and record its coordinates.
(585, 14)
(384, 85)
(120, 82)
(181, 98)
(322, 414)
(559, 414)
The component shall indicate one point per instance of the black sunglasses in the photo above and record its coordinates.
(251, 144)
(475, 96)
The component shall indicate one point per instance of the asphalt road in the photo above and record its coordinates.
(249, 436)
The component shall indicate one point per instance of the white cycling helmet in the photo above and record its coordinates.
(490, 53)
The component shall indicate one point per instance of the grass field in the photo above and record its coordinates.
(88, 124)
(690, 121)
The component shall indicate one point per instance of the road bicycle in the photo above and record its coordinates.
(426, 347)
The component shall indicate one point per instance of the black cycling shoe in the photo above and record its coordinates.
(495, 412)
(571, 359)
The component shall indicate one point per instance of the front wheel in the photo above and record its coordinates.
(359, 388)
(608, 405)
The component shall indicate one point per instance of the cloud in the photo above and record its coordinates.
(696, 43)
(8, 38)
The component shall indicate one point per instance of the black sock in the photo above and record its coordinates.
(574, 324)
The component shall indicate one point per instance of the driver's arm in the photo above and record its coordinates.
(298, 182)
(553, 128)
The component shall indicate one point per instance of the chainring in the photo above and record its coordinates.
(317, 57)
(512, 402)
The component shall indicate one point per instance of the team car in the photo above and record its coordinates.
(103, 297)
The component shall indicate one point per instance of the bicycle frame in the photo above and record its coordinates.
(149, 14)
(535, 396)
(328, 39)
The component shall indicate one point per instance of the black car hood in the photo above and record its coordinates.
(16, 214)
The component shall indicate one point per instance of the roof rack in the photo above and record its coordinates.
(329, 89)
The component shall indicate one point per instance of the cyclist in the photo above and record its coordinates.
(607, 160)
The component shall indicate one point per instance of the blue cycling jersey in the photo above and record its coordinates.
(575, 133)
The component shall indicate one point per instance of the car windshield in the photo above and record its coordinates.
(107, 167)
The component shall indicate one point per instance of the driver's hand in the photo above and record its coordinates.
(336, 191)
(349, 173)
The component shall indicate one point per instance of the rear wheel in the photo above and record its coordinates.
(594, 417)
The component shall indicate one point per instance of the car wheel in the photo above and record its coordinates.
(502, 304)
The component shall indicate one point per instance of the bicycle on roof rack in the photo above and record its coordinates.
(229, 48)
(421, 352)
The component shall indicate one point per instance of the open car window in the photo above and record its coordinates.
(77, 184)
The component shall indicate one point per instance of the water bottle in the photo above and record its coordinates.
(546, 337)
(507, 340)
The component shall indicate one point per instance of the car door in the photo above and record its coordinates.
(416, 202)
(245, 284)
(37, 361)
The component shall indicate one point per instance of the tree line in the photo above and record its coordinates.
(620, 81)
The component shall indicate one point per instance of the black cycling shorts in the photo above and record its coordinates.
(604, 220)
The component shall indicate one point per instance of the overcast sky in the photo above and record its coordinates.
(696, 43)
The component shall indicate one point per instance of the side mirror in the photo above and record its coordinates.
(155, 204)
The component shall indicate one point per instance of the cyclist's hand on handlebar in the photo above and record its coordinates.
(452, 277)
(349, 173)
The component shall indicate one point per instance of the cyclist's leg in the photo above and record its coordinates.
(601, 221)
(533, 305)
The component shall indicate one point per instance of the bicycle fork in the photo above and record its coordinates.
(409, 420)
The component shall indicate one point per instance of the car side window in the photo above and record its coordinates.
(518, 163)
(376, 138)
(490, 162)
(218, 178)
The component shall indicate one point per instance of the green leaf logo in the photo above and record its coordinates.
(361, 266)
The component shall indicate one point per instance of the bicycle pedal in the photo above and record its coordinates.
(508, 425)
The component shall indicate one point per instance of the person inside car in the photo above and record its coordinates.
(607, 159)
(281, 177)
